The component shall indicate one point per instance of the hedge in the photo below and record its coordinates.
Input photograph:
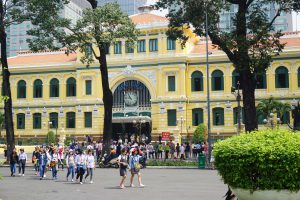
(177, 163)
(261, 160)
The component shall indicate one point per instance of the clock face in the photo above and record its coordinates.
(130, 98)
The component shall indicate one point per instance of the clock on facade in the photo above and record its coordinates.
(130, 98)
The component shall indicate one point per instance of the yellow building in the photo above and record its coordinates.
(158, 87)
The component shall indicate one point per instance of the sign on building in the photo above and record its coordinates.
(165, 136)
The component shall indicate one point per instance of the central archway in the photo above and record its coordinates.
(132, 111)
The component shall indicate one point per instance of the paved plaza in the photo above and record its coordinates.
(161, 184)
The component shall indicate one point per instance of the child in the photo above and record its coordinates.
(90, 165)
(135, 167)
(123, 162)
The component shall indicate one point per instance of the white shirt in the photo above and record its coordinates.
(22, 156)
(90, 161)
(89, 147)
(80, 159)
(182, 149)
(54, 157)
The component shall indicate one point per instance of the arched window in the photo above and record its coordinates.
(21, 89)
(38, 89)
(37, 121)
(71, 120)
(197, 116)
(261, 80)
(299, 77)
(54, 88)
(217, 80)
(236, 79)
(282, 77)
(197, 81)
(236, 115)
(20, 121)
(218, 116)
(71, 87)
(54, 119)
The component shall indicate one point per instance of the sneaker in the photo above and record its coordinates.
(11, 174)
(41, 178)
(122, 187)
(91, 182)
(141, 185)
(132, 185)
(72, 180)
(44, 175)
(23, 174)
(80, 183)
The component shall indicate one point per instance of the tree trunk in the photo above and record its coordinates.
(9, 127)
(107, 100)
(249, 85)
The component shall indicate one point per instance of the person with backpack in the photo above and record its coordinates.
(135, 167)
(123, 163)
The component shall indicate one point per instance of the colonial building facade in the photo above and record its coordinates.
(159, 86)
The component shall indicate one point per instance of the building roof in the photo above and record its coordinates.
(291, 41)
(42, 58)
(147, 18)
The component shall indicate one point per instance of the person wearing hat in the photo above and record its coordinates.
(22, 162)
(135, 167)
(70, 161)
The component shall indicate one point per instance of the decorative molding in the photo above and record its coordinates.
(129, 71)
(151, 75)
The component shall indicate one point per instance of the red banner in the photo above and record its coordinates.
(165, 136)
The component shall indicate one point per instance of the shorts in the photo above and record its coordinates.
(123, 172)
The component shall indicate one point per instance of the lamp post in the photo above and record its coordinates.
(181, 120)
(207, 84)
(238, 99)
(270, 120)
(138, 123)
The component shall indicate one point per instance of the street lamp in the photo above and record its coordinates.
(270, 120)
(181, 121)
(238, 99)
(138, 123)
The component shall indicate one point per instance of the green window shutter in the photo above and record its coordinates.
(171, 44)
(197, 115)
(37, 121)
(89, 50)
(71, 120)
(21, 90)
(53, 117)
(261, 81)
(20, 121)
(172, 117)
(153, 45)
(235, 115)
(217, 80)
(235, 78)
(128, 48)
(171, 83)
(141, 45)
(218, 116)
(54, 88)
(299, 77)
(88, 120)
(282, 77)
(38, 89)
(71, 87)
(118, 47)
(197, 81)
(88, 87)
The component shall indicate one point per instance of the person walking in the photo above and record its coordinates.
(13, 161)
(90, 165)
(60, 157)
(80, 161)
(35, 157)
(135, 167)
(123, 163)
(22, 162)
(53, 164)
(70, 161)
(43, 160)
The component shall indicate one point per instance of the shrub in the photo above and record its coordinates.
(175, 163)
(68, 141)
(262, 160)
(50, 137)
(199, 134)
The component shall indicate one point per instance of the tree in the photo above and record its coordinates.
(281, 109)
(16, 12)
(99, 28)
(51, 138)
(250, 44)
(2, 122)
(200, 133)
